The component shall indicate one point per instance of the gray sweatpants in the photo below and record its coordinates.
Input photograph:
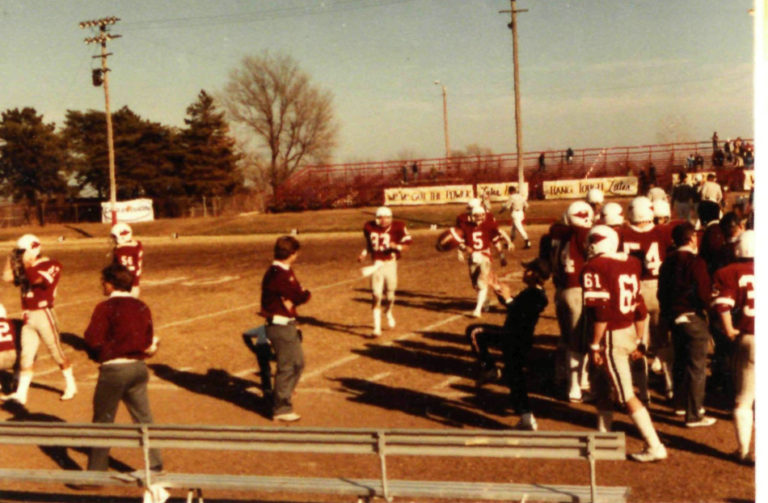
(290, 363)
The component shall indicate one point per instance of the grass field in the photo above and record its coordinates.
(203, 289)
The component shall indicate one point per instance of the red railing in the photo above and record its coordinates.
(361, 184)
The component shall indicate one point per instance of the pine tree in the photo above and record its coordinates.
(210, 161)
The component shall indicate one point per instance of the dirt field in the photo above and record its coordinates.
(204, 292)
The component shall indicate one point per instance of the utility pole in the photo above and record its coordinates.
(100, 76)
(445, 120)
(518, 114)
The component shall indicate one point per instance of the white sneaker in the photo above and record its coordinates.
(287, 417)
(156, 494)
(477, 314)
(650, 455)
(527, 424)
(390, 320)
(69, 393)
(704, 421)
(14, 397)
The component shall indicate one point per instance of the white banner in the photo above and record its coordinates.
(135, 210)
(577, 189)
(499, 192)
(446, 194)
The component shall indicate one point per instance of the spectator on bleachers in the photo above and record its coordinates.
(569, 155)
(652, 174)
(710, 190)
(698, 162)
(690, 162)
(714, 142)
(683, 196)
(542, 162)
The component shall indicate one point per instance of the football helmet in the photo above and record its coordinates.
(612, 214)
(30, 245)
(661, 209)
(472, 203)
(640, 210)
(595, 196)
(478, 214)
(745, 248)
(121, 233)
(383, 216)
(601, 240)
(579, 214)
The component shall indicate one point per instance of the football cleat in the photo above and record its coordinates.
(650, 455)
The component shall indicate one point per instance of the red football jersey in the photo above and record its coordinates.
(43, 277)
(733, 288)
(380, 240)
(480, 237)
(612, 289)
(571, 256)
(651, 243)
(7, 335)
(130, 255)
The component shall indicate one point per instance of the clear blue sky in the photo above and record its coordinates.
(593, 72)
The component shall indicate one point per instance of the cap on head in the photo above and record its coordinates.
(579, 214)
(383, 215)
(600, 240)
(640, 210)
(661, 209)
(595, 196)
(745, 248)
(121, 233)
(30, 244)
(612, 214)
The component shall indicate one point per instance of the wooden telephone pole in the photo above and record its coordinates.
(518, 114)
(101, 76)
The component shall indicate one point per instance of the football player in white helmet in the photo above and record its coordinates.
(8, 341)
(595, 198)
(385, 240)
(128, 252)
(616, 318)
(37, 277)
(612, 215)
(662, 212)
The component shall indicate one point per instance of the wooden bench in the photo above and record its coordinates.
(590, 446)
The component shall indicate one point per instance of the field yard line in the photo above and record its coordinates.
(347, 359)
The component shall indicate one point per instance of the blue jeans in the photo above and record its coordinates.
(689, 373)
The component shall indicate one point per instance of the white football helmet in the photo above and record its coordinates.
(31, 246)
(745, 248)
(580, 214)
(595, 196)
(601, 240)
(612, 214)
(640, 210)
(121, 233)
(383, 216)
(661, 209)
(472, 203)
(478, 214)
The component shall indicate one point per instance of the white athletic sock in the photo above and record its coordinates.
(71, 387)
(376, 320)
(25, 379)
(742, 421)
(604, 420)
(481, 296)
(642, 420)
(574, 365)
(584, 372)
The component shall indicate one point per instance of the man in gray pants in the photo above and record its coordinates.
(120, 337)
(280, 294)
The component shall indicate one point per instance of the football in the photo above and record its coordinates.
(449, 239)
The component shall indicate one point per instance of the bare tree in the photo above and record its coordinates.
(293, 121)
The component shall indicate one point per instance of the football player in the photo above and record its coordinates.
(595, 198)
(37, 282)
(517, 204)
(616, 311)
(478, 236)
(385, 240)
(8, 343)
(649, 244)
(568, 243)
(612, 215)
(733, 293)
(128, 252)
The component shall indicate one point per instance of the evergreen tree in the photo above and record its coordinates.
(32, 159)
(210, 162)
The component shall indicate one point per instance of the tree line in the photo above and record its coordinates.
(286, 122)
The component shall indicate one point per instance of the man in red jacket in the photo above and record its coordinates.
(280, 294)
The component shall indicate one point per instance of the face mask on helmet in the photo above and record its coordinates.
(580, 214)
(612, 214)
(640, 210)
(745, 248)
(30, 246)
(121, 233)
(601, 240)
(383, 216)
(478, 214)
